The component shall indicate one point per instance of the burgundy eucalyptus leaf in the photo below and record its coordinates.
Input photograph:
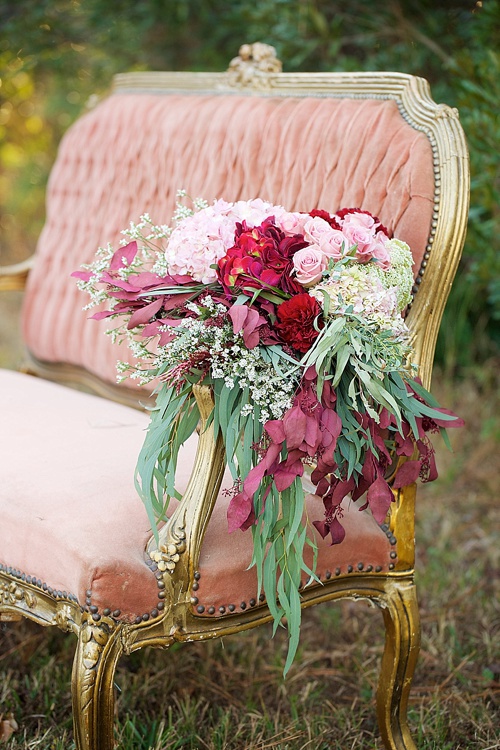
(271, 457)
(331, 426)
(326, 461)
(102, 314)
(310, 374)
(404, 443)
(275, 430)
(113, 280)
(254, 478)
(340, 490)
(284, 477)
(322, 486)
(386, 419)
(314, 436)
(322, 527)
(294, 424)
(123, 256)
(407, 474)
(369, 470)
(360, 489)
(144, 314)
(146, 280)
(156, 329)
(238, 315)
(84, 275)
(328, 396)
(337, 531)
(240, 512)
(176, 301)
(379, 499)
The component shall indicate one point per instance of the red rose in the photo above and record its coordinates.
(296, 319)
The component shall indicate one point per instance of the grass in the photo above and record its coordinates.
(230, 694)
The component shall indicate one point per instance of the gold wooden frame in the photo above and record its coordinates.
(102, 638)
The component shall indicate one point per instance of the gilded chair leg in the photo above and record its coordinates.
(402, 645)
(99, 648)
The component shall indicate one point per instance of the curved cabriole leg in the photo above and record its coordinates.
(402, 644)
(99, 648)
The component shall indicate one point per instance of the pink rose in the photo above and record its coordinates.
(309, 264)
(315, 228)
(380, 252)
(361, 237)
(334, 244)
(360, 220)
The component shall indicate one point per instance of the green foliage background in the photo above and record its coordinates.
(56, 54)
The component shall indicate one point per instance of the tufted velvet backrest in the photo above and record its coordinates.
(134, 151)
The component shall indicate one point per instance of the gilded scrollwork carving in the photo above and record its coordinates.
(168, 554)
(64, 619)
(128, 638)
(254, 67)
(12, 594)
(93, 637)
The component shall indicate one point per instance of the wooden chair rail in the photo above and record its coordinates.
(14, 277)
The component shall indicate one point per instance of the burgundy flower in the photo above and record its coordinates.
(326, 216)
(261, 257)
(239, 267)
(279, 263)
(296, 319)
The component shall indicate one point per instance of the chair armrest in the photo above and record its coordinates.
(401, 517)
(180, 540)
(402, 525)
(13, 278)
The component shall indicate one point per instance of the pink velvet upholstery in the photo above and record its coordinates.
(134, 151)
(72, 521)
(70, 514)
(226, 583)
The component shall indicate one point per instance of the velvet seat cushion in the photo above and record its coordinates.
(226, 557)
(71, 520)
(69, 513)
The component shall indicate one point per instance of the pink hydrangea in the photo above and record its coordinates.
(201, 240)
(254, 212)
(198, 242)
(292, 222)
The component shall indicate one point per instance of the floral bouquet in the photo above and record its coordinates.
(295, 322)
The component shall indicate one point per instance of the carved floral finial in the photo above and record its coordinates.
(254, 67)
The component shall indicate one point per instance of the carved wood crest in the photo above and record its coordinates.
(254, 67)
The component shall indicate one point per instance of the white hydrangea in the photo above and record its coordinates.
(379, 295)
(399, 276)
(358, 289)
